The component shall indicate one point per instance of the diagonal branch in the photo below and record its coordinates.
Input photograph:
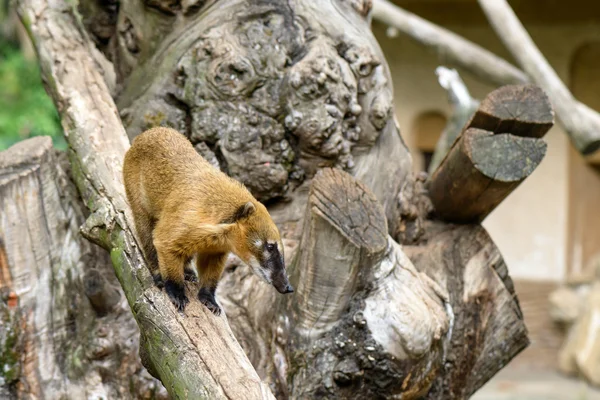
(581, 123)
(448, 45)
(196, 355)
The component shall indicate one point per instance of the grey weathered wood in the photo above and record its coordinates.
(53, 342)
(362, 312)
(488, 328)
(581, 122)
(209, 361)
(480, 170)
(345, 232)
(500, 147)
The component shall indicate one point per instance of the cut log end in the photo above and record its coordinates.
(522, 110)
(504, 157)
(499, 148)
(480, 171)
(351, 207)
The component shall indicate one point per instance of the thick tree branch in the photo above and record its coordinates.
(581, 122)
(196, 355)
(500, 147)
(488, 328)
(54, 342)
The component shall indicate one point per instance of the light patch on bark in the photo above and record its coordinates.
(404, 314)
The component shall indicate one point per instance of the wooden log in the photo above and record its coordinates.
(363, 313)
(329, 261)
(500, 147)
(52, 342)
(479, 172)
(581, 122)
(487, 329)
(209, 361)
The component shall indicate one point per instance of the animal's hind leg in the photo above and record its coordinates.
(144, 226)
(210, 267)
(188, 272)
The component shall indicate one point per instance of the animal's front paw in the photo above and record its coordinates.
(176, 292)
(189, 275)
(158, 280)
(207, 297)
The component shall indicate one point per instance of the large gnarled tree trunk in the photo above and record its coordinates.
(293, 99)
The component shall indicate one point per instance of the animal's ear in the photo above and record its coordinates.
(243, 211)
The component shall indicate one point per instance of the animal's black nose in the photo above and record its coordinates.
(289, 289)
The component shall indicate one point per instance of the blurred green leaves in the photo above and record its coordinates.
(25, 108)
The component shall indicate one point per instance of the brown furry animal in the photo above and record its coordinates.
(185, 207)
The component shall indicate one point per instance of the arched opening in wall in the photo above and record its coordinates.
(427, 128)
(583, 239)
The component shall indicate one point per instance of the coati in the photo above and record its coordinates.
(184, 207)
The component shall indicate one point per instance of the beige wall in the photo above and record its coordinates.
(530, 226)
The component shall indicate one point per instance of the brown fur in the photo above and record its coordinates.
(183, 206)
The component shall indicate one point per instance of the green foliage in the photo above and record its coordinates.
(25, 108)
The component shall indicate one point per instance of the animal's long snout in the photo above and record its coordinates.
(282, 284)
(289, 289)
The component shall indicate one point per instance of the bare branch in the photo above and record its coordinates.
(581, 123)
(449, 46)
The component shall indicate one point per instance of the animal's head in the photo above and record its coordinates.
(260, 245)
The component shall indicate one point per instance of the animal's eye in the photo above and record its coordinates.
(270, 246)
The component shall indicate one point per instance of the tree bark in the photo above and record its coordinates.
(215, 367)
(273, 95)
(500, 147)
(59, 338)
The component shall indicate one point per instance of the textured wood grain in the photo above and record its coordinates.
(488, 161)
(362, 312)
(488, 320)
(194, 355)
(521, 110)
(54, 342)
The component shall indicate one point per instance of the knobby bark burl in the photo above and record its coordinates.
(293, 99)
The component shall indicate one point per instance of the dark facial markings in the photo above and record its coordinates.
(271, 258)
